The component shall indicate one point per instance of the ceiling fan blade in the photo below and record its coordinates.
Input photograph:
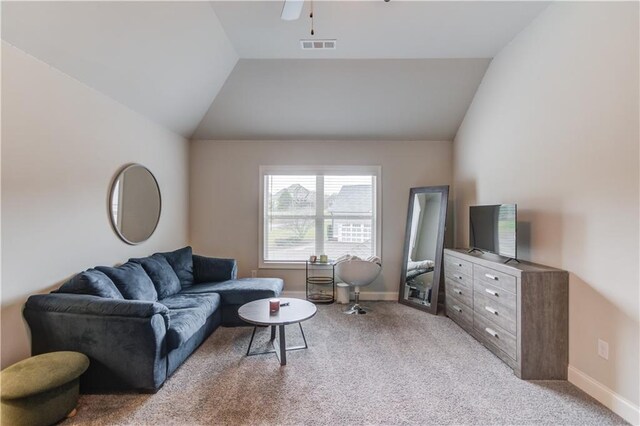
(291, 10)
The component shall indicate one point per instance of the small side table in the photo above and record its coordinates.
(320, 282)
(257, 313)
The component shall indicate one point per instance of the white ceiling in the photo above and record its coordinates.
(373, 99)
(165, 60)
(377, 29)
(173, 61)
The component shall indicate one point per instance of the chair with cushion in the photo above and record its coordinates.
(357, 273)
(41, 390)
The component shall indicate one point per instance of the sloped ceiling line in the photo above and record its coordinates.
(373, 99)
(165, 60)
(403, 70)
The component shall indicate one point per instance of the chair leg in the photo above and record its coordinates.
(356, 308)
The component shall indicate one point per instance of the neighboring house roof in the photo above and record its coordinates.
(297, 191)
(352, 199)
(294, 199)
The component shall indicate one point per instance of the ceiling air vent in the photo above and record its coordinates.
(317, 44)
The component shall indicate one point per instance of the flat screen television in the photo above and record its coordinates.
(493, 229)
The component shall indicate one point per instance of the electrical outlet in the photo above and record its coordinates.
(254, 273)
(603, 349)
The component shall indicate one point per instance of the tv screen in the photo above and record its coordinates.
(493, 229)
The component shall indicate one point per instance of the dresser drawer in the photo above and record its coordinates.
(459, 278)
(454, 265)
(494, 278)
(460, 313)
(496, 296)
(494, 335)
(463, 294)
(499, 314)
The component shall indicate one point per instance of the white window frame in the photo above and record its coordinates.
(318, 171)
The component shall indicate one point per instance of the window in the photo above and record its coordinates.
(318, 210)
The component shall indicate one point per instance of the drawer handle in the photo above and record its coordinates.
(458, 277)
(491, 292)
(458, 291)
(457, 308)
(491, 332)
(460, 265)
(491, 277)
(493, 311)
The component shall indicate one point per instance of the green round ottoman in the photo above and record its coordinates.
(41, 390)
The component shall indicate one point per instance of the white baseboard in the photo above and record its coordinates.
(370, 295)
(378, 295)
(607, 397)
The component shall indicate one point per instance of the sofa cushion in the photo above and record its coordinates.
(161, 273)
(211, 269)
(187, 314)
(132, 281)
(241, 291)
(93, 283)
(182, 263)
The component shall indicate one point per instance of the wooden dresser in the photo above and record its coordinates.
(519, 311)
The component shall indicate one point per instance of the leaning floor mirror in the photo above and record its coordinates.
(423, 247)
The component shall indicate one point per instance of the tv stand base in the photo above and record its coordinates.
(475, 249)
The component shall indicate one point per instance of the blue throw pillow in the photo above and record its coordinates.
(92, 283)
(182, 263)
(132, 281)
(161, 273)
(211, 269)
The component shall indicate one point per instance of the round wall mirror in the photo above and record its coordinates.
(134, 204)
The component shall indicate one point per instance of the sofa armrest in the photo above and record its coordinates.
(124, 339)
(211, 269)
(93, 305)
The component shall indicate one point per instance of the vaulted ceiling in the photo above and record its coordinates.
(411, 99)
(165, 60)
(235, 70)
(377, 29)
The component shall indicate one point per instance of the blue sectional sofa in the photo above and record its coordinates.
(138, 322)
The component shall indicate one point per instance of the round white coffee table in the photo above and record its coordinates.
(257, 313)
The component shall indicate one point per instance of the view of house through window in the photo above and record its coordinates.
(316, 214)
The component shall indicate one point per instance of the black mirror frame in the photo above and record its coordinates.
(437, 270)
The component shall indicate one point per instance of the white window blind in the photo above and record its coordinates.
(318, 211)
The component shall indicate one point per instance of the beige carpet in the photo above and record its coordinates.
(395, 366)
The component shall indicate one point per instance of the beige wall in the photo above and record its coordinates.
(62, 144)
(554, 128)
(224, 206)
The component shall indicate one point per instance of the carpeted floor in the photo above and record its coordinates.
(395, 366)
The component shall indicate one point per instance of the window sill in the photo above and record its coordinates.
(282, 265)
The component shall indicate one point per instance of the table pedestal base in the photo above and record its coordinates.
(281, 348)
